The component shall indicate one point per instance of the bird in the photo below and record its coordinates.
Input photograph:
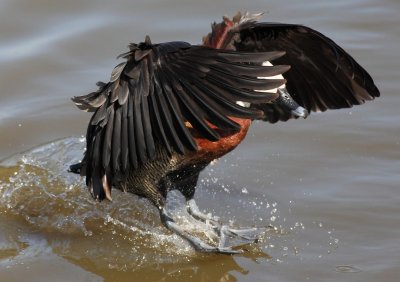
(170, 109)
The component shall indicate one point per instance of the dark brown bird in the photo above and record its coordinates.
(172, 108)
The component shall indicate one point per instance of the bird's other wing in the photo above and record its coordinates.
(322, 75)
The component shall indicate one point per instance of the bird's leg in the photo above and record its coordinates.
(194, 211)
(203, 231)
(196, 242)
(239, 236)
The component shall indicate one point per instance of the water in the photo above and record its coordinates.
(329, 184)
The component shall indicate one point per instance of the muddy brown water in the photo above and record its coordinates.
(329, 184)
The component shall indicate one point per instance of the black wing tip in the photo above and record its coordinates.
(375, 92)
(77, 100)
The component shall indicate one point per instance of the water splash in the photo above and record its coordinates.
(127, 233)
(36, 186)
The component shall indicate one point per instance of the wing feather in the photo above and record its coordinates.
(168, 120)
(131, 134)
(139, 131)
(107, 138)
(167, 95)
(148, 135)
(116, 139)
(124, 138)
(158, 125)
(322, 75)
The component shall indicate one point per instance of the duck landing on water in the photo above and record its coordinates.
(172, 108)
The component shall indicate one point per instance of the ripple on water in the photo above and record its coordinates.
(347, 269)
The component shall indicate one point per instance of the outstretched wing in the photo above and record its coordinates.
(322, 75)
(161, 96)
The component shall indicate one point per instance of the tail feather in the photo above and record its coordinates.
(75, 168)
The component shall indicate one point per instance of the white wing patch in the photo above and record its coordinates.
(274, 90)
(243, 104)
(279, 76)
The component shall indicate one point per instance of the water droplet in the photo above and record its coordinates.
(245, 191)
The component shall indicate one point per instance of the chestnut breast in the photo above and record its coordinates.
(211, 150)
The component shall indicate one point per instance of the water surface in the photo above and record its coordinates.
(329, 184)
